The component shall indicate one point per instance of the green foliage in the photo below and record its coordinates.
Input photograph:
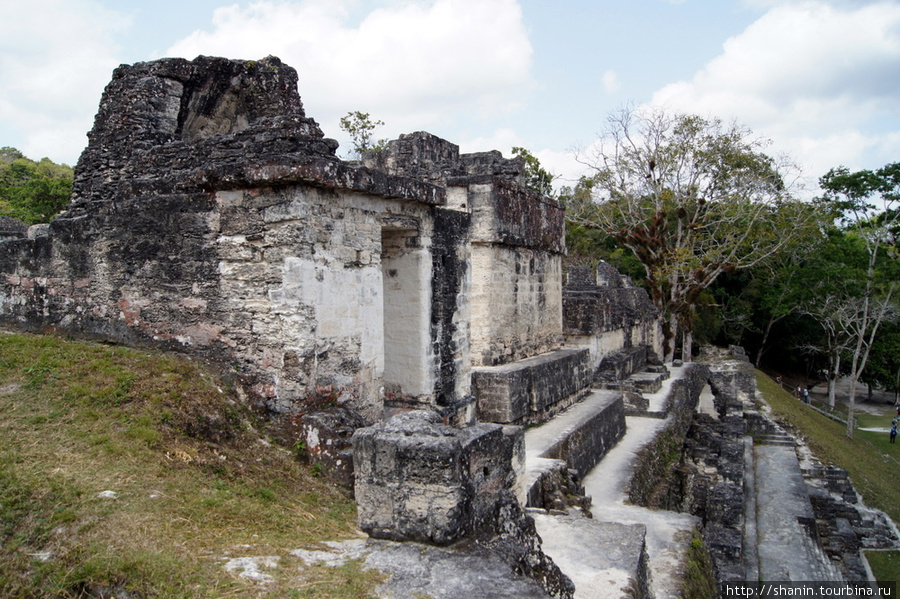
(883, 367)
(885, 564)
(699, 575)
(692, 199)
(361, 128)
(30, 191)
(537, 178)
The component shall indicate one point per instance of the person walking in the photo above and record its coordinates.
(893, 432)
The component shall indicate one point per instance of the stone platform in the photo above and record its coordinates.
(580, 436)
(619, 570)
(531, 390)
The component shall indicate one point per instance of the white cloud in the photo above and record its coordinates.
(821, 79)
(412, 65)
(611, 83)
(55, 58)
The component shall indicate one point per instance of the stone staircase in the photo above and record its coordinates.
(595, 442)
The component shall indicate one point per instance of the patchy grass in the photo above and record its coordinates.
(885, 565)
(195, 482)
(699, 577)
(872, 462)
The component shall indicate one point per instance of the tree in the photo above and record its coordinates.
(883, 367)
(868, 202)
(692, 199)
(361, 128)
(33, 192)
(755, 300)
(536, 177)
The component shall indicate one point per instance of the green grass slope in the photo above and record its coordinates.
(194, 482)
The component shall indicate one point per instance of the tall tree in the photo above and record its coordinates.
(692, 198)
(868, 203)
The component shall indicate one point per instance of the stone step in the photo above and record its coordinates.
(645, 381)
(617, 564)
(580, 436)
(648, 382)
(774, 439)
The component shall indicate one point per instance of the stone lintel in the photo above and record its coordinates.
(321, 172)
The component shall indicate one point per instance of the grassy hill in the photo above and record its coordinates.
(141, 473)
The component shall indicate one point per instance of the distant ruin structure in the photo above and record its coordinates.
(211, 215)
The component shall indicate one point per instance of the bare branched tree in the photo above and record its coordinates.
(692, 198)
(869, 203)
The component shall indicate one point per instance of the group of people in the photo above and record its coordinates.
(803, 395)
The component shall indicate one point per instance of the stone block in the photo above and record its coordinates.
(528, 390)
(420, 480)
(326, 436)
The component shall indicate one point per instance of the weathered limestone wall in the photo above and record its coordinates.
(517, 243)
(517, 252)
(331, 289)
(211, 215)
(516, 304)
(604, 312)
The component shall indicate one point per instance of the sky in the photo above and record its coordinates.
(819, 78)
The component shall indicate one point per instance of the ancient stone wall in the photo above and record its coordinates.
(516, 239)
(211, 215)
(604, 312)
(652, 482)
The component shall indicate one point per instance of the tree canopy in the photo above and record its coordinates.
(692, 198)
(868, 205)
(33, 192)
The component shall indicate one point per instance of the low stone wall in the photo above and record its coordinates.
(713, 474)
(845, 526)
(620, 365)
(531, 390)
(586, 446)
(652, 481)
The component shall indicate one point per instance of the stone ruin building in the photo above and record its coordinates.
(211, 215)
(419, 290)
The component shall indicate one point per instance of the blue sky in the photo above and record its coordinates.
(820, 78)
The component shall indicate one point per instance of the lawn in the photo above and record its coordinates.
(130, 470)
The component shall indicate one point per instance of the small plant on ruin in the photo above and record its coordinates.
(361, 127)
